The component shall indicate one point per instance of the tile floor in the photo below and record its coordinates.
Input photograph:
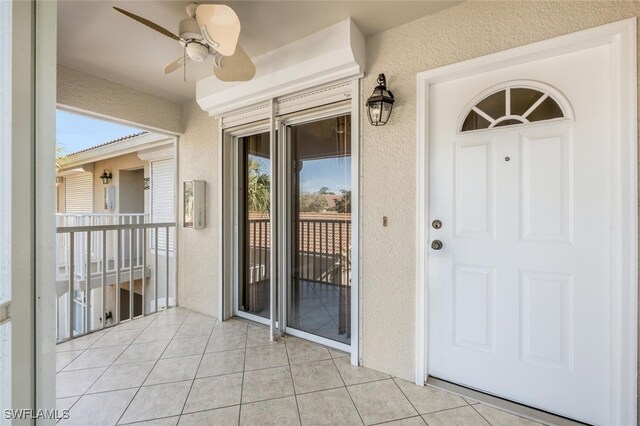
(181, 367)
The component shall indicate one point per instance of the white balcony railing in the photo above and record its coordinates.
(109, 270)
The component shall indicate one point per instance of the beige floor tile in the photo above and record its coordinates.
(266, 357)
(230, 326)
(64, 358)
(427, 399)
(219, 363)
(411, 421)
(155, 333)
(214, 392)
(267, 384)
(221, 417)
(116, 338)
(174, 370)
(73, 383)
(136, 324)
(306, 352)
(463, 416)
(66, 403)
(123, 376)
(315, 376)
(338, 354)
(380, 401)
(150, 351)
(99, 409)
(186, 347)
(276, 412)
(92, 358)
(258, 337)
(226, 342)
(167, 421)
(195, 317)
(157, 401)
(194, 330)
(79, 343)
(353, 375)
(471, 401)
(330, 407)
(501, 418)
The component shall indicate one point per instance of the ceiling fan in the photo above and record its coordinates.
(210, 30)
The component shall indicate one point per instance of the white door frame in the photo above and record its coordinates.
(624, 237)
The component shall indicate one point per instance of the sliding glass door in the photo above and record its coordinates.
(310, 186)
(319, 279)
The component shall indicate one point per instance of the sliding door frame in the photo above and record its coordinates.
(285, 233)
(273, 116)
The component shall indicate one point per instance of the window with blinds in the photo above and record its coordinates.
(163, 200)
(78, 193)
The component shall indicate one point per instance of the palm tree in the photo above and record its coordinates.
(258, 187)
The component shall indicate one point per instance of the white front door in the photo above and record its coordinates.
(519, 293)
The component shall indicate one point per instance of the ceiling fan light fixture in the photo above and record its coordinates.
(196, 51)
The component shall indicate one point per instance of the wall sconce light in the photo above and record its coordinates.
(106, 177)
(380, 103)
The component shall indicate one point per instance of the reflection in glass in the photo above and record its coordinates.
(319, 300)
(254, 235)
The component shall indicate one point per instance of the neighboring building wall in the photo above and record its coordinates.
(469, 30)
(198, 253)
(115, 165)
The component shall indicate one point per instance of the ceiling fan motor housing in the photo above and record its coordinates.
(189, 30)
(196, 51)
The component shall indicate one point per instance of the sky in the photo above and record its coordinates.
(75, 132)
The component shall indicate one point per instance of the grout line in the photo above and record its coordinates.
(480, 414)
(347, 389)
(405, 396)
(244, 364)
(148, 374)
(195, 374)
(293, 383)
(398, 420)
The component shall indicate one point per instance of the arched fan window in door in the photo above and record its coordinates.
(510, 106)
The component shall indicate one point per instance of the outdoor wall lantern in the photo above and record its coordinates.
(106, 177)
(380, 103)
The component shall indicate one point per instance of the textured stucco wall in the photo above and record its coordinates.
(198, 159)
(85, 92)
(466, 31)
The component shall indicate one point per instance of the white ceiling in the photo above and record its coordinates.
(94, 38)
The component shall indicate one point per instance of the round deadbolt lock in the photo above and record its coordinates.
(436, 224)
(436, 244)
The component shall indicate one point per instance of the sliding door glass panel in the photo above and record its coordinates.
(254, 192)
(319, 294)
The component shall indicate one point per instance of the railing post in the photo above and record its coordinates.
(155, 267)
(104, 277)
(87, 286)
(131, 281)
(72, 260)
(166, 270)
(144, 270)
(117, 265)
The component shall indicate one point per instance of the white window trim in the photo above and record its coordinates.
(622, 36)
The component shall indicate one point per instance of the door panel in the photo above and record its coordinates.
(319, 286)
(254, 240)
(519, 293)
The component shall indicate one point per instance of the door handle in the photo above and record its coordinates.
(436, 244)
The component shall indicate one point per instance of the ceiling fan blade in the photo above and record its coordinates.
(237, 67)
(175, 65)
(148, 23)
(222, 26)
